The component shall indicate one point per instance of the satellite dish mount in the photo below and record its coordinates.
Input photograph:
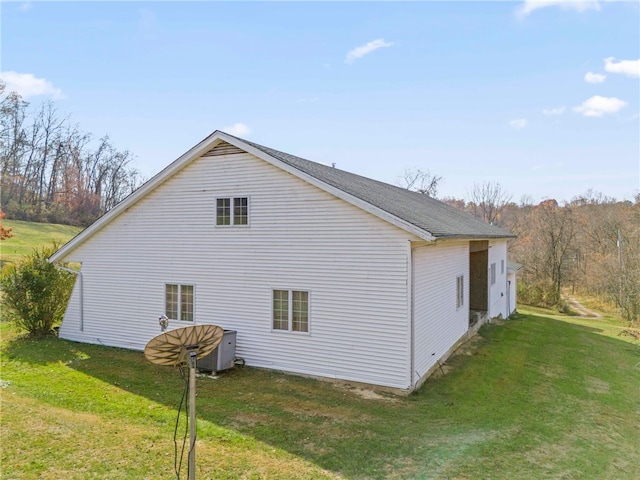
(180, 347)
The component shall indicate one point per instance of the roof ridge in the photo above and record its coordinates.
(419, 209)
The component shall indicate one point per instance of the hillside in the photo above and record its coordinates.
(30, 235)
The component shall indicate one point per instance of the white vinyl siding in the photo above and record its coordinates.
(354, 263)
(438, 323)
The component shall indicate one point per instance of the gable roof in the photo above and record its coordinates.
(417, 213)
(428, 214)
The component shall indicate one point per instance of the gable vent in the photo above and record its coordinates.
(223, 148)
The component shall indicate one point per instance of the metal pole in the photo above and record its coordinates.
(192, 415)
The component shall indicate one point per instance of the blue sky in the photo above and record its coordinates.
(542, 97)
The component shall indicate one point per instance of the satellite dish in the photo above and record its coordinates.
(184, 346)
(171, 348)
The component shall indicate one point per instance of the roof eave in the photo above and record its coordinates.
(463, 236)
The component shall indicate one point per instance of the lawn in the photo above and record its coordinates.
(540, 396)
(30, 235)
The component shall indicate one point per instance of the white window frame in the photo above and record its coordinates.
(289, 329)
(493, 273)
(459, 292)
(232, 206)
(179, 301)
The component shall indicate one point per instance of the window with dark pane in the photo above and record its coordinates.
(459, 291)
(281, 310)
(223, 211)
(240, 211)
(186, 303)
(300, 311)
(179, 302)
(171, 301)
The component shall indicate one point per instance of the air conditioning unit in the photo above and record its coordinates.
(222, 358)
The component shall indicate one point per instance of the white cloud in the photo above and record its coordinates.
(628, 67)
(27, 85)
(519, 123)
(363, 50)
(591, 77)
(598, 106)
(554, 111)
(237, 129)
(579, 5)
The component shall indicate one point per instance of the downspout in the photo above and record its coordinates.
(79, 274)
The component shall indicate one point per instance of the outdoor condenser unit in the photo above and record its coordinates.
(222, 358)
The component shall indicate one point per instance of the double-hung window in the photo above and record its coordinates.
(179, 302)
(232, 211)
(459, 291)
(290, 311)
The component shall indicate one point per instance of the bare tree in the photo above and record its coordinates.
(13, 141)
(421, 181)
(488, 200)
(48, 170)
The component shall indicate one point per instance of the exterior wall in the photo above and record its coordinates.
(354, 265)
(438, 322)
(498, 291)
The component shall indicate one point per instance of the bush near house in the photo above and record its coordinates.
(35, 292)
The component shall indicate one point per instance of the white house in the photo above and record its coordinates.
(320, 271)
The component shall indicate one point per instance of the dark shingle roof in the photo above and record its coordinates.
(435, 217)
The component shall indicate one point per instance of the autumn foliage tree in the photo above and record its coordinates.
(4, 232)
(590, 245)
(51, 171)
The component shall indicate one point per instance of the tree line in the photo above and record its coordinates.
(589, 245)
(51, 171)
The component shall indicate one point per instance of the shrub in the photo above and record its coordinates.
(35, 292)
(541, 294)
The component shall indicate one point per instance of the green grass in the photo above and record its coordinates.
(541, 396)
(30, 235)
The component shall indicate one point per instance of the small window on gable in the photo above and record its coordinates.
(493, 273)
(459, 291)
(501, 267)
(179, 302)
(232, 211)
(290, 310)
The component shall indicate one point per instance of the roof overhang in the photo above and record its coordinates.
(514, 267)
